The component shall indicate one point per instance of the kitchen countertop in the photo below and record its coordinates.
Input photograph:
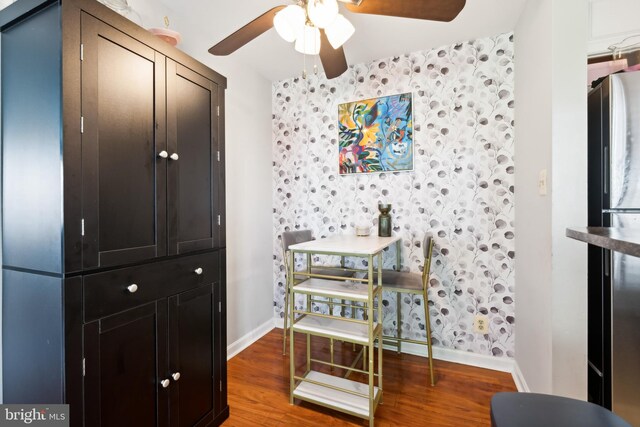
(624, 240)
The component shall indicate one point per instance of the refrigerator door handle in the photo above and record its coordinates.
(607, 262)
(606, 170)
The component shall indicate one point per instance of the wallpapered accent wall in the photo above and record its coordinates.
(461, 189)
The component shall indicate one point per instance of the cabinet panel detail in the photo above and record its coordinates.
(126, 188)
(192, 133)
(113, 291)
(191, 323)
(123, 178)
(32, 325)
(194, 136)
(125, 355)
(31, 171)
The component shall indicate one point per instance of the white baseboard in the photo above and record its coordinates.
(471, 359)
(248, 339)
(278, 322)
(458, 356)
(518, 378)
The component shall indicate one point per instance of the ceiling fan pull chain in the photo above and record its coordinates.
(304, 66)
(315, 58)
(304, 58)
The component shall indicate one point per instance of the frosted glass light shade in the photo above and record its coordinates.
(289, 21)
(322, 12)
(308, 41)
(340, 31)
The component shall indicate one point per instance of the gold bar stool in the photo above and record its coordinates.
(416, 284)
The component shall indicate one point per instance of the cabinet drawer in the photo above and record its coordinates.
(117, 290)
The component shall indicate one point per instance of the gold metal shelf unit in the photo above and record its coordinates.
(339, 393)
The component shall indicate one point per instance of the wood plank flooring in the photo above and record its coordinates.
(258, 384)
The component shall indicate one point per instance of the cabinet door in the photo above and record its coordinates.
(192, 129)
(191, 334)
(124, 179)
(125, 362)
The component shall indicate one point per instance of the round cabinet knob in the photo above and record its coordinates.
(174, 156)
(198, 271)
(163, 154)
(175, 376)
(132, 288)
(165, 383)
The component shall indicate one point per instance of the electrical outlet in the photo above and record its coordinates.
(481, 324)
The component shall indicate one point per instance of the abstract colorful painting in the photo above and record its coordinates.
(376, 135)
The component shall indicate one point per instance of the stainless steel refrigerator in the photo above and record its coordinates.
(614, 278)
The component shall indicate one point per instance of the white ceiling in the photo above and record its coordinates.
(376, 37)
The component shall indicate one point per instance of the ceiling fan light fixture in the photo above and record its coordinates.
(322, 12)
(289, 21)
(340, 31)
(308, 42)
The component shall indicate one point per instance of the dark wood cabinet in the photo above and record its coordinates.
(125, 361)
(154, 365)
(192, 129)
(123, 180)
(191, 342)
(113, 220)
(149, 184)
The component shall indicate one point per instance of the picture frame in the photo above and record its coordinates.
(376, 135)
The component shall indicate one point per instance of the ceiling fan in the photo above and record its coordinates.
(317, 27)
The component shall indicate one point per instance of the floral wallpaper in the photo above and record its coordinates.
(461, 189)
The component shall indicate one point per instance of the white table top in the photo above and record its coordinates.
(346, 244)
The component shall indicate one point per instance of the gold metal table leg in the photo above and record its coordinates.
(309, 336)
(370, 364)
(292, 362)
(398, 299)
(380, 319)
(399, 321)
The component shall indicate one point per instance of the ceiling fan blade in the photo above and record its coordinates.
(245, 34)
(432, 10)
(333, 60)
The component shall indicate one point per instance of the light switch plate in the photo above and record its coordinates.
(542, 182)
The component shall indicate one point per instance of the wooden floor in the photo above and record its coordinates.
(258, 381)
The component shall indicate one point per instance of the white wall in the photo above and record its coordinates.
(550, 52)
(569, 197)
(248, 174)
(533, 137)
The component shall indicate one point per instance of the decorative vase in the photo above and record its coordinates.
(169, 36)
(384, 220)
